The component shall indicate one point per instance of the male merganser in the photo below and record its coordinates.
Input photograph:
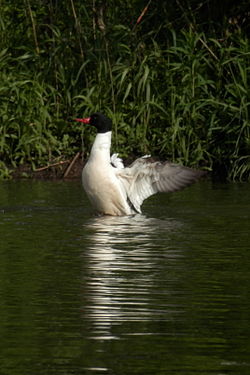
(116, 190)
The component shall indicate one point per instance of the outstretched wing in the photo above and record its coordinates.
(145, 177)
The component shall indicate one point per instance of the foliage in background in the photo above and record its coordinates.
(174, 84)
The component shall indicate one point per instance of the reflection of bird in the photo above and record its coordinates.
(115, 190)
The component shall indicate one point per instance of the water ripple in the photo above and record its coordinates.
(121, 270)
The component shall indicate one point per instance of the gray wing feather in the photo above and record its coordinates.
(145, 177)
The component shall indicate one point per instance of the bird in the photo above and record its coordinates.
(120, 191)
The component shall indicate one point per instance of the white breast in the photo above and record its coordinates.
(103, 188)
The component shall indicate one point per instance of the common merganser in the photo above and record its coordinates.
(116, 190)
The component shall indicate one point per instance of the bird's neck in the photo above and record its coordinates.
(101, 147)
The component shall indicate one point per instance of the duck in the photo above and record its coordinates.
(116, 190)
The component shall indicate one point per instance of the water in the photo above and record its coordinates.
(166, 292)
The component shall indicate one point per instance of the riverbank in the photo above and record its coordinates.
(64, 169)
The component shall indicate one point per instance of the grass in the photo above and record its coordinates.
(186, 100)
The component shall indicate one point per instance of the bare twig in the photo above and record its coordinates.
(71, 164)
(52, 165)
(209, 49)
(142, 14)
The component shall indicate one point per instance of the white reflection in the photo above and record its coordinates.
(122, 253)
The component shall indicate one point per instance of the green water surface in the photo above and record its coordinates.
(166, 292)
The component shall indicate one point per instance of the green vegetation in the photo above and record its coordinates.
(175, 84)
